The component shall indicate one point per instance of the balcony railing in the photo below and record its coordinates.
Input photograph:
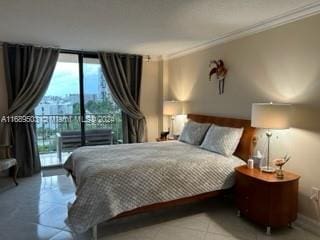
(49, 127)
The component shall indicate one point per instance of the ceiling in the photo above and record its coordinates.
(155, 27)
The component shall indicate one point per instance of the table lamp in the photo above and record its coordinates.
(172, 108)
(270, 116)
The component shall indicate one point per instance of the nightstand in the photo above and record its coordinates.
(265, 199)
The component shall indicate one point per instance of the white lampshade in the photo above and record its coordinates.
(270, 115)
(172, 108)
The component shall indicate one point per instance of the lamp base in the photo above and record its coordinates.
(268, 169)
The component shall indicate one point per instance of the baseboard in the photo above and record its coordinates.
(308, 224)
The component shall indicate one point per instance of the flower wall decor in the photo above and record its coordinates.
(218, 69)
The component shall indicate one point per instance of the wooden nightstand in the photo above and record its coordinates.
(265, 199)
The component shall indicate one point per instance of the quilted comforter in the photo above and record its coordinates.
(117, 178)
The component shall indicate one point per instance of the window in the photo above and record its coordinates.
(76, 110)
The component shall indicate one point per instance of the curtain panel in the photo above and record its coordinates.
(28, 71)
(123, 75)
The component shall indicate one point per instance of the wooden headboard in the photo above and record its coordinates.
(245, 147)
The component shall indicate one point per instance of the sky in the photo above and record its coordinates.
(65, 79)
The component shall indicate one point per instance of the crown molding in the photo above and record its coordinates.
(287, 17)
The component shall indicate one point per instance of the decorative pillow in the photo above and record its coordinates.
(222, 140)
(193, 132)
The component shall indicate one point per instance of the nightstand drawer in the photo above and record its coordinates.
(242, 202)
(242, 193)
(252, 197)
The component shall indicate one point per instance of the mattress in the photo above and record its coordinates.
(117, 178)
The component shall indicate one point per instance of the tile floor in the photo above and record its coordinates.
(36, 209)
(51, 159)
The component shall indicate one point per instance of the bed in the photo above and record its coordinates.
(119, 180)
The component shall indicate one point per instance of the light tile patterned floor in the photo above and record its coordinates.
(36, 209)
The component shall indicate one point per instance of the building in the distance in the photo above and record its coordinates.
(102, 87)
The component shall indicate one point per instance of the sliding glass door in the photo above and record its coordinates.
(76, 110)
(58, 113)
(102, 115)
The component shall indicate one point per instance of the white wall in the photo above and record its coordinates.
(280, 65)
(151, 97)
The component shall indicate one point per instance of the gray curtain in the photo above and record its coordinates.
(123, 75)
(28, 72)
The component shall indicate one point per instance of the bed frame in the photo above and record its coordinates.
(243, 151)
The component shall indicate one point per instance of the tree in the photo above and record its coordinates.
(76, 108)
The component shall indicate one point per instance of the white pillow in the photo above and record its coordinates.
(193, 132)
(222, 140)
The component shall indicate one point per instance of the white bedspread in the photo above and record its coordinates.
(117, 178)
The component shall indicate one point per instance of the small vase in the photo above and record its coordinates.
(279, 173)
